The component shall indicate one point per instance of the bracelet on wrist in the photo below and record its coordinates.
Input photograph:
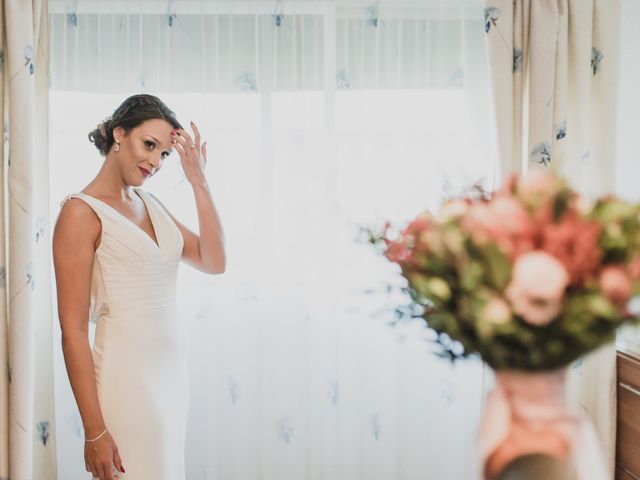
(97, 438)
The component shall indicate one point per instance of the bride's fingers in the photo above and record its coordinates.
(204, 150)
(196, 133)
(180, 140)
(183, 135)
(118, 461)
(180, 149)
(102, 474)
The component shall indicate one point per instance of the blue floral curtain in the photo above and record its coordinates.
(554, 67)
(26, 381)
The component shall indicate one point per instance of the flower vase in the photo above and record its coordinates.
(526, 415)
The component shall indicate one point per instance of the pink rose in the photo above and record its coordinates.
(634, 268)
(399, 251)
(574, 241)
(537, 287)
(503, 220)
(509, 186)
(421, 223)
(453, 209)
(482, 223)
(513, 215)
(517, 232)
(536, 183)
(616, 286)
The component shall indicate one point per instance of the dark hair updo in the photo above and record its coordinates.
(134, 111)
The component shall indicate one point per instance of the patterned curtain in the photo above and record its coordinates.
(554, 66)
(26, 384)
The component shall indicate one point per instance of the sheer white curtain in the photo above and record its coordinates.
(320, 117)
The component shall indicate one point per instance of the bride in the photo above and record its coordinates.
(116, 252)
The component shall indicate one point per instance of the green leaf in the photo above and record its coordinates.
(497, 266)
(561, 203)
(612, 210)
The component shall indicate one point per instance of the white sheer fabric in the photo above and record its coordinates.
(186, 46)
(291, 375)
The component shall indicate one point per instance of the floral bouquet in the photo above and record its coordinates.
(530, 278)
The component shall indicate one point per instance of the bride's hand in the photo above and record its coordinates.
(99, 456)
(193, 155)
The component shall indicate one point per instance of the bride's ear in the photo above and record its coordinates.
(118, 134)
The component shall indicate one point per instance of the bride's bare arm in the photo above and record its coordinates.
(74, 239)
(74, 236)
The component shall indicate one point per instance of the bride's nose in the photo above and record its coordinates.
(154, 160)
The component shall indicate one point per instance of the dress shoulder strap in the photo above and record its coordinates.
(67, 197)
(100, 208)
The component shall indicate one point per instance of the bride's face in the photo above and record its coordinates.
(143, 149)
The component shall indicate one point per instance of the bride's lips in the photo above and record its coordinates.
(145, 172)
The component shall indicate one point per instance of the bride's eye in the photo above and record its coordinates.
(149, 144)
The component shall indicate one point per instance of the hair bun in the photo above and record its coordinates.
(99, 137)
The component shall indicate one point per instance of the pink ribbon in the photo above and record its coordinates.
(531, 407)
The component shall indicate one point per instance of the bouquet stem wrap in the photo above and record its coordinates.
(527, 413)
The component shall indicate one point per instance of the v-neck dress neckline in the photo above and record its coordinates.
(150, 213)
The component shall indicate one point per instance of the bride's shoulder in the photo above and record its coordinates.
(76, 218)
(75, 204)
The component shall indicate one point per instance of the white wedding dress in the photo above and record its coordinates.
(139, 348)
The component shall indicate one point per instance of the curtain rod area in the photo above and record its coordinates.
(428, 9)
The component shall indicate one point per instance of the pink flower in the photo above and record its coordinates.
(503, 220)
(574, 242)
(418, 225)
(482, 223)
(537, 183)
(453, 209)
(634, 269)
(517, 230)
(537, 287)
(509, 186)
(398, 251)
(400, 247)
(509, 210)
(616, 286)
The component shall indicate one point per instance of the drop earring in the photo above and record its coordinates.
(117, 147)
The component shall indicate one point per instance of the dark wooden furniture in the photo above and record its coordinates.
(628, 420)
